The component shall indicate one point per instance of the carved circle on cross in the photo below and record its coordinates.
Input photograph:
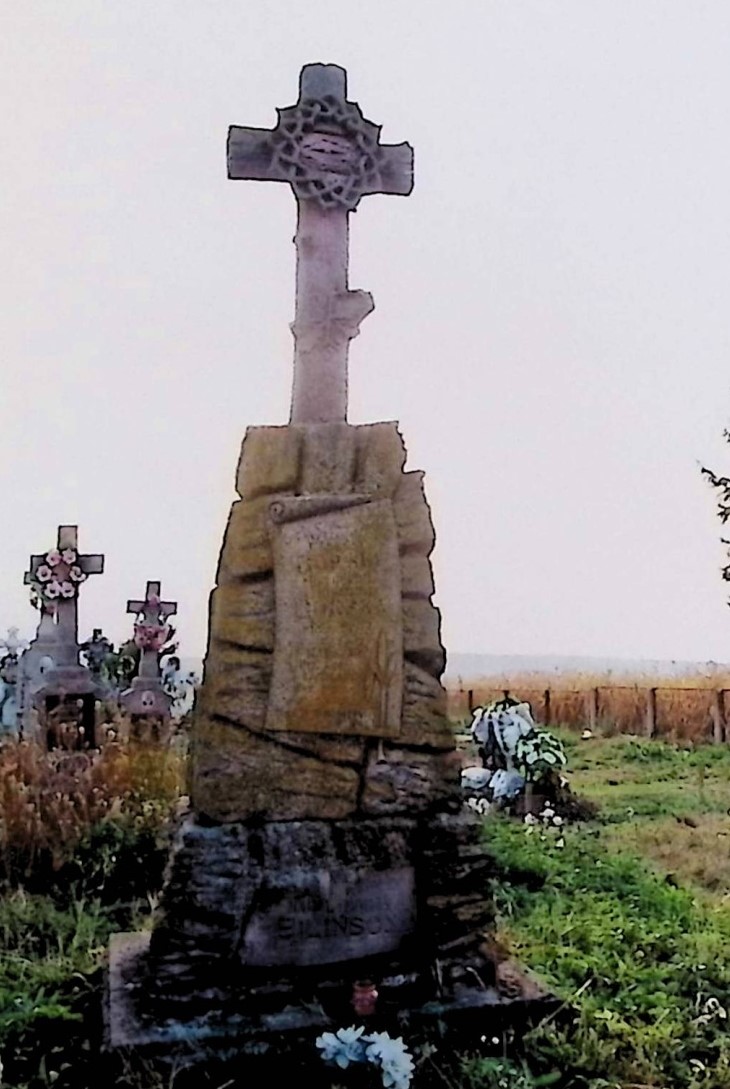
(328, 151)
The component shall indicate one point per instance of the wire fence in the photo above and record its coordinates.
(675, 713)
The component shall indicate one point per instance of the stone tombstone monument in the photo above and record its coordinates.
(146, 696)
(50, 671)
(326, 842)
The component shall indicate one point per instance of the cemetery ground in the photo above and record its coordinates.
(626, 917)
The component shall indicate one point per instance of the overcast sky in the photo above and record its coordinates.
(552, 323)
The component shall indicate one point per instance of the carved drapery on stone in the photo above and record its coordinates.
(338, 621)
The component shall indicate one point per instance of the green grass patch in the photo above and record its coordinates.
(631, 777)
(642, 964)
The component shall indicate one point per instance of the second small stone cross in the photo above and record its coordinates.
(146, 696)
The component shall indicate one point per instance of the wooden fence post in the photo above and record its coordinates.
(650, 728)
(717, 714)
(547, 707)
(470, 700)
(592, 709)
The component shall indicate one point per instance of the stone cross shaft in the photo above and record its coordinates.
(331, 156)
(67, 609)
(154, 613)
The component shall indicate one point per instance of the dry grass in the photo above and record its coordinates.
(49, 802)
(683, 704)
(697, 852)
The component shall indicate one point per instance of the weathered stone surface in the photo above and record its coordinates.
(422, 635)
(338, 654)
(239, 774)
(269, 462)
(340, 750)
(417, 576)
(246, 550)
(424, 720)
(404, 781)
(249, 598)
(293, 893)
(413, 515)
(381, 455)
(328, 458)
(236, 685)
(243, 613)
(206, 885)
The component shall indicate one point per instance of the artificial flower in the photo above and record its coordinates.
(44, 573)
(393, 1058)
(53, 558)
(342, 1047)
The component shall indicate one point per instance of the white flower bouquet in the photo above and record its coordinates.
(375, 1052)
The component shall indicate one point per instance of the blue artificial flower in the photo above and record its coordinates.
(342, 1047)
(393, 1058)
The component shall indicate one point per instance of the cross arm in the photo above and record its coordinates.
(169, 608)
(251, 155)
(92, 565)
(395, 170)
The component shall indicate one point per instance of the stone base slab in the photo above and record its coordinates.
(287, 1019)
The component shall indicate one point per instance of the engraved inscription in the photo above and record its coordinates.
(334, 919)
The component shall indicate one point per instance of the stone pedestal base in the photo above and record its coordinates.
(265, 930)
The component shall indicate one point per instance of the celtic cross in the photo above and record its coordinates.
(331, 156)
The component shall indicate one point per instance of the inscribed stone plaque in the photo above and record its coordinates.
(331, 918)
(338, 655)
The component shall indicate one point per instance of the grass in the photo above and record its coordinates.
(630, 923)
(83, 843)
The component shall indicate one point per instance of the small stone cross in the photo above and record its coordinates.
(151, 630)
(331, 156)
(67, 572)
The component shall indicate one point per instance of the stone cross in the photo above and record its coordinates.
(331, 156)
(66, 608)
(151, 632)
